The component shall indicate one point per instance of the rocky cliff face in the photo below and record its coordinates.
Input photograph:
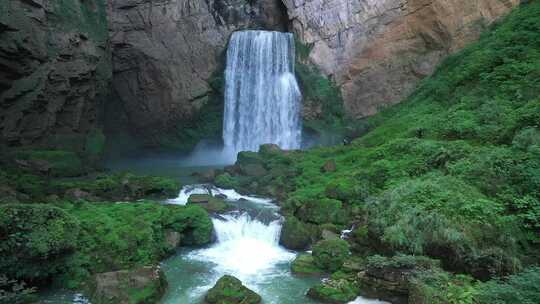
(55, 57)
(165, 53)
(378, 50)
(54, 71)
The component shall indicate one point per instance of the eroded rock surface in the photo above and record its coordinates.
(378, 50)
(55, 70)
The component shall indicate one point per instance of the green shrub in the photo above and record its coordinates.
(435, 286)
(522, 288)
(37, 241)
(226, 181)
(330, 254)
(117, 236)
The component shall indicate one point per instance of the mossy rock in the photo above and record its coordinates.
(209, 203)
(142, 285)
(330, 254)
(334, 291)
(229, 290)
(304, 264)
(296, 235)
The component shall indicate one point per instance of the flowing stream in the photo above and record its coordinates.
(247, 247)
(262, 98)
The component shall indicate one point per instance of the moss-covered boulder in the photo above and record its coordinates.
(296, 235)
(304, 264)
(334, 291)
(208, 202)
(229, 290)
(330, 254)
(142, 285)
(36, 240)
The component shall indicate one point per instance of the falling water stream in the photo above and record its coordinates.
(262, 98)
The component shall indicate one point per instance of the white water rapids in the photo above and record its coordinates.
(247, 247)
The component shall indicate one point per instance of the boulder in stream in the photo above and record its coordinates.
(142, 285)
(229, 290)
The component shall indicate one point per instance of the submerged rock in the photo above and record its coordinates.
(229, 290)
(143, 285)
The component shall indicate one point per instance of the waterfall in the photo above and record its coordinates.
(246, 247)
(262, 98)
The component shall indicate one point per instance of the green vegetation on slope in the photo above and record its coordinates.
(453, 172)
(71, 241)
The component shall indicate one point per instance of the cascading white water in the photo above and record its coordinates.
(246, 247)
(262, 98)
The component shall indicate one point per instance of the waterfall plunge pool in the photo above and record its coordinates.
(246, 247)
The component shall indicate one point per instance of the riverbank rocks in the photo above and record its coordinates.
(229, 290)
(334, 291)
(208, 202)
(120, 186)
(389, 278)
(142, 285)
(330, 254)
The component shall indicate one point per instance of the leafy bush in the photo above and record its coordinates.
(330, 254)
(522, 288)
(36, 241)
(123, 235)
(435, 286)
